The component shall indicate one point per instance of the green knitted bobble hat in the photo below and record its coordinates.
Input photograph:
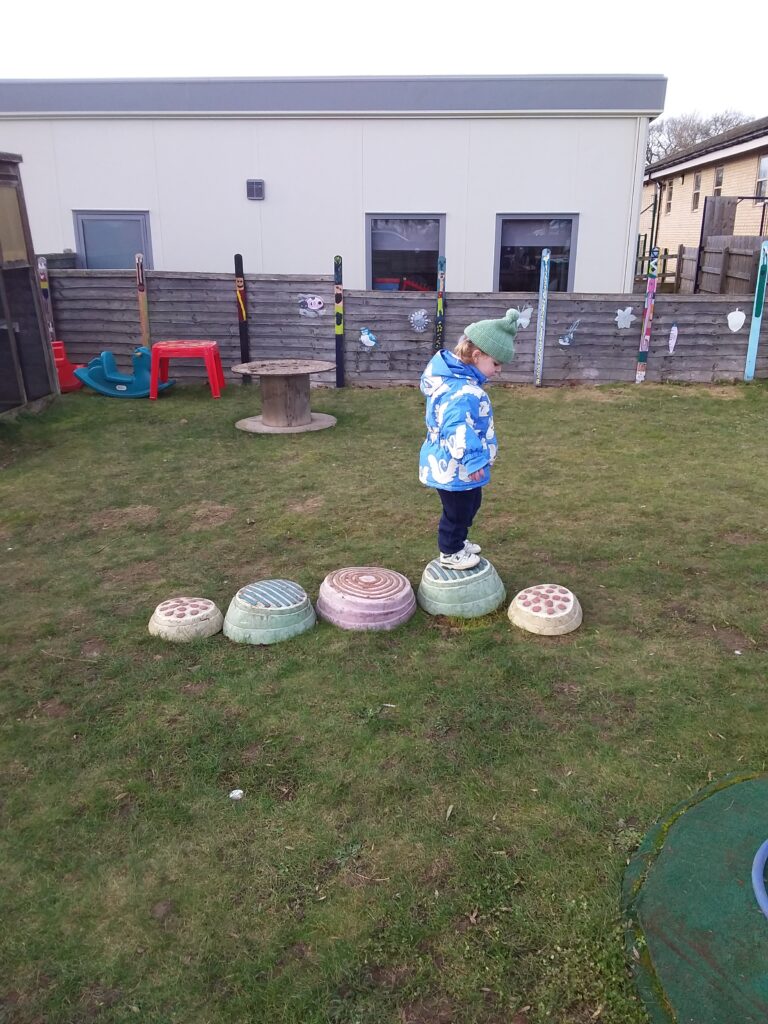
(495, 337)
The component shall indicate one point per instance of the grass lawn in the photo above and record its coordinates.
(436, 820)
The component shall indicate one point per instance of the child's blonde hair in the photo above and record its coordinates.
(465, 349)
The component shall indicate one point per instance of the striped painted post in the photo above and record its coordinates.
(440, 314)
(757, 313)
(338, 300)
(45, 289)
(141, 294)
(242, 315)
(650, 299)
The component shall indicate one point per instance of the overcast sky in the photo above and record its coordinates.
(706, 72)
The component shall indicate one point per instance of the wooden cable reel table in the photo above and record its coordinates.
(285, 407)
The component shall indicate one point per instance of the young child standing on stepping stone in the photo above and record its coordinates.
(461, 443)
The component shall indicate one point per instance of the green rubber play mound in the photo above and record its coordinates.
(696, 937)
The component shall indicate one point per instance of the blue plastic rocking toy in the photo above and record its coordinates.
(103, 376)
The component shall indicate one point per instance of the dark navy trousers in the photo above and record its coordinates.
(459, 509)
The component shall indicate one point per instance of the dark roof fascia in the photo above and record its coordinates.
(620, 94)
(733, 137)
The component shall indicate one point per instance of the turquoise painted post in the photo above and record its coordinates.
(541, 318)
(757, 313)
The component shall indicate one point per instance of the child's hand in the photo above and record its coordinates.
(476, 477)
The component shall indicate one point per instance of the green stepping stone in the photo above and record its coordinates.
(267, 612)
(462, 593)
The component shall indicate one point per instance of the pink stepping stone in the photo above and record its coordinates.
(366, 597)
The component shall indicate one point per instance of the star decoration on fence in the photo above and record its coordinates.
(624, 317)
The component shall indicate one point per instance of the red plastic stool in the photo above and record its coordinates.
(163, 351)
(65, 370)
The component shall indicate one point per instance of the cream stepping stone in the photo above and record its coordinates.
(547, 609)
(181, 619)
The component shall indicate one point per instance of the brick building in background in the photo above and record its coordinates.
(734, 163)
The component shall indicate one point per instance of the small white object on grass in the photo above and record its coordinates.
(236, 794)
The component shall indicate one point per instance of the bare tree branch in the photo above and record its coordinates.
(674, 134)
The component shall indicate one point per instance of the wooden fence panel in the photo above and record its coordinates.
(94, 310)
(729, 264)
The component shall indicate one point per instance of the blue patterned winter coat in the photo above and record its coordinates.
(460, 434)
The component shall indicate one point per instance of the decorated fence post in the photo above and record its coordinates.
(650, 299)
(757, 313)
(141, 294)
(338, 302)
(45, 290)
(440, 313)
(541, 318)
(242, 315)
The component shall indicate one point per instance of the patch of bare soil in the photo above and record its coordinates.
(681, 612)
(447, 627)
(308, 506)
(207, 514)
(566, 709)
(54, 708)
(163, 910)
(581, 1013)
(93, 649)
(129, 575)
(296, 953)
(113, 518)
(727, 637)
(740, 539)
(285, 791)
(96, 998)
(195, 689)
(438, 1010)
(390, 977)
(437, 872)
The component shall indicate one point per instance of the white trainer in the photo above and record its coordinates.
(459, 560)
(473, 549)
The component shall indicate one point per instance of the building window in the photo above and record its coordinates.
(719, 174)
(519, 242)
(110, 239)
(403, 251)
(761, 187)
(668, 207)
(696, 191)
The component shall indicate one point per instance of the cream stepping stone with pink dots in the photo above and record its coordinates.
(185, 618)
(547, 609)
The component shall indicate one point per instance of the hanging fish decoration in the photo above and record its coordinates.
(672, 338)
(311, 305)
(367, 337)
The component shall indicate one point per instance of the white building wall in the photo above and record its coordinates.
(322, 175)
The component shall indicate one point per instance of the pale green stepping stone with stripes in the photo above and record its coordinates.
(462, 593)
(267, 612)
